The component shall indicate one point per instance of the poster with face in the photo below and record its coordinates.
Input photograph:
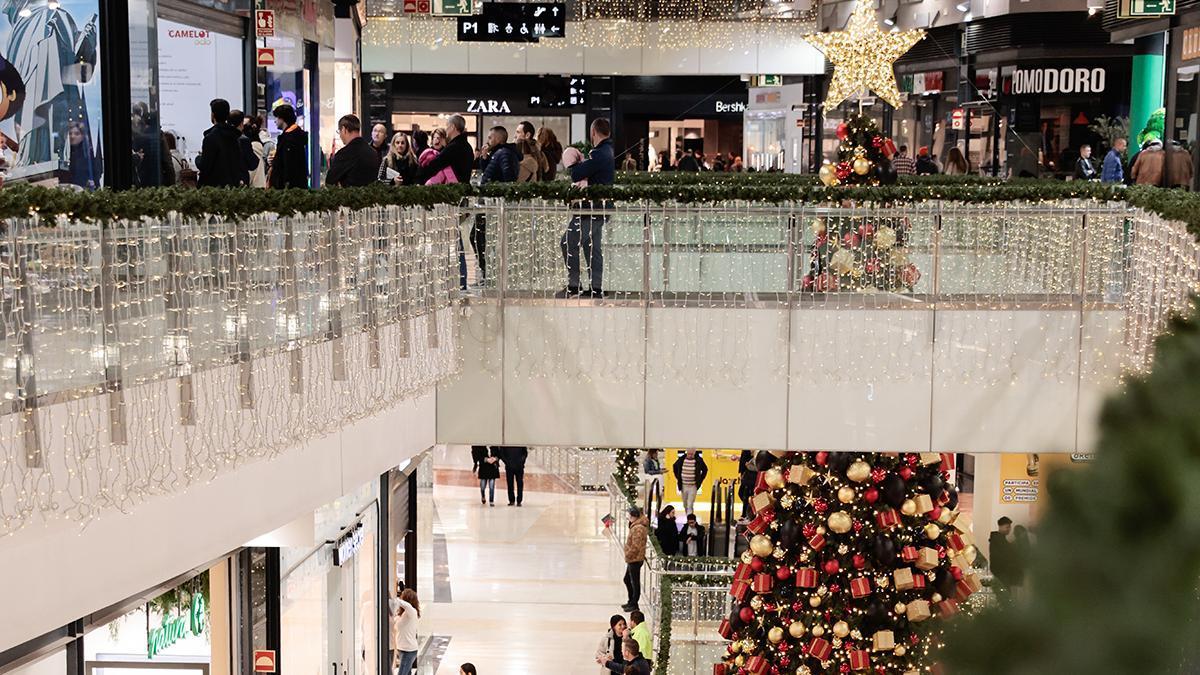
(50, 89)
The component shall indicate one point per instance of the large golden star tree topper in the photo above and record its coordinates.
(863, 56)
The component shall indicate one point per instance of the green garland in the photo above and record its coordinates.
(103, 205)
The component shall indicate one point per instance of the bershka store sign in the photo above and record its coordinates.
(1058, 81)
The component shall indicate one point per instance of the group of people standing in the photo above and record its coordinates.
(1154, 164)
(626, 646)
(486, 461)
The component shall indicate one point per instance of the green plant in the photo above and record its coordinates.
(1110, 128)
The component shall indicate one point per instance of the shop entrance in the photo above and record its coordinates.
(668, 140)
(351, 586)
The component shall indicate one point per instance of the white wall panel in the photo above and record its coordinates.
(470, 406)
(550, 60)
(500, 59)
(612, 61)
(451, 57)
(717, 378)
(1005, 381)
(664, 59)
(573, 373)
(860, 379)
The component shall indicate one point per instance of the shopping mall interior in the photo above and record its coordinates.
(507, 337)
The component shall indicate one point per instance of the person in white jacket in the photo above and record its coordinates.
(610, 645)
(406, 611)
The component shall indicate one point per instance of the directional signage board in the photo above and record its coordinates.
(514, 22)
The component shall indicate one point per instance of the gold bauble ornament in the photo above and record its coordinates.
(774, 478)
(819, 227)
(761, 545)
(735, 646)
(818, 630)
(840, 522)
(796, 630)
(841, 262)
(900, 608)
(885, 238)
(859, 471)
(937, 597)
(899, 650)
(814, 601)
(908, 508)
(845, 494)
(933, 531)
(820, 529)
(756, 603)
(775, 635)
(747, 557)
(740, 661)
(841, 629)
(861, 166)
(828, 175)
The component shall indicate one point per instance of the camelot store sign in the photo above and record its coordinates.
(1058, 81)
(176, 628)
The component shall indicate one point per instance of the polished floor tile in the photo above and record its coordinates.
(532, 587)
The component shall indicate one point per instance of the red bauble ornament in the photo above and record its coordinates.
(843, 131)
(871, 495)
(808, 530)
(807, 282)
(905, 472)
(877, 142)
(858, 526)
(820, 505)
(822, 458)
(957, 573)
(878, 474)
(860, 561)
(746, 615)
(850, 240)
(770, 608)
(832, 566)
(935, 513)
(833, 588)
(756, 564)
(783, 573)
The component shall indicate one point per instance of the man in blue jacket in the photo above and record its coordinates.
(1113, 170)
(586, 231)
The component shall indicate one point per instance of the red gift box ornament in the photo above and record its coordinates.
(763, 583)
(806, 577)
(739, 590)
(761, 484)
(820, 649)
(726, 629)
(761, 521)
(908, 554)
(947, 608)
(860, 659)
(720, 669)
(919, 581)
(887, 519)
(742, 573)
(860, 587)
(757, 665)
(817, 541)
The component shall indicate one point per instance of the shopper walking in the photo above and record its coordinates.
(406, 611)
(635, 556)
(667, 531)
(399, 165)
(1113, 169)
(552, 150)
(610, 644)
(902, 163)
(220, 161)
(379, 140)
(585, 231)
(690, 472)
(514, 472)
(1085, 169)
(289, 169)
(357, 163)
(691, 538)
(487, 468)
(640, 632)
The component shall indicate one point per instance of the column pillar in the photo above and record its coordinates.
(1146, 86)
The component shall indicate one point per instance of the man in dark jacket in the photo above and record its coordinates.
(356, 164)
(514, 470)
(690, 472)
(1001, 555)
(379, 140)
(237, 120)
(691, 538)
(290, 166)
(220, 162)
(633, 659)
(457, 154)
(501, 163)
(586, 231)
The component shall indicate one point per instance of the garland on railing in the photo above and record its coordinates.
(627, 469)
(102, 205)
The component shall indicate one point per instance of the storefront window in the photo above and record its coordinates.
(765, 138)
(195, 65)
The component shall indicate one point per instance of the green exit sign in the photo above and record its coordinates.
(1136, 8)
(768, 80)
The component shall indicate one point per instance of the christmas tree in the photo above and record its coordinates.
(856, 562)
(864, 155)
(853, 254)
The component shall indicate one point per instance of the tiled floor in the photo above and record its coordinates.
(532, 587)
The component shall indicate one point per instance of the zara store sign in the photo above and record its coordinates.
(1059, 81)
(490, 105)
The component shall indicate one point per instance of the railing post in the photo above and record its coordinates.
(291, 281)
(334, 295)
(117, 427)
(25, 374)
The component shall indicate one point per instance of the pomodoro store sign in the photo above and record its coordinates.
(1058, 81)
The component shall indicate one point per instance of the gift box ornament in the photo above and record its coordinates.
(742, 572)
(919, 582)
(924, 503)
(908, 554)
(860, 587)
(903, 578)
(887, 519)
(967, 586)
(739, 590)
(817, 542)
(945, 516)
(761, 521)
(860, 659)
(956, 542)
(883, 641)
(726, 629)
(962, 522)
(757, 665)
(930, 458)
(720, 669)
(806, 577)
(918, 610)
(820, 649)
(763, 583)
(927, 559)
(761, 500)
(800, 475)
(760, 486)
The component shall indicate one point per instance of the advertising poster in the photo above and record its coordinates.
(50, 89)
(194, 67)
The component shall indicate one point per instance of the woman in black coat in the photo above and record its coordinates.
(486, 465)
(668, 531)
